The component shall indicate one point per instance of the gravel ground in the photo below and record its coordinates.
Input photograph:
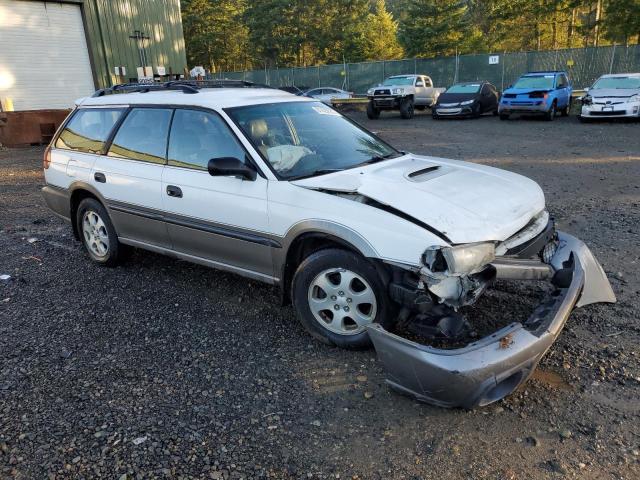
(162, 369)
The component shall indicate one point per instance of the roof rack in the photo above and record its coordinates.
(186, 86)
(546, 71)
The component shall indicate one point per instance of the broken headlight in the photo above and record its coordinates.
(587, 100)
(459, 260)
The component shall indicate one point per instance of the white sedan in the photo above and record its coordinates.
(612, 96)
(326, 94)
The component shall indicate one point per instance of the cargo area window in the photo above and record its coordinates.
(88, 129)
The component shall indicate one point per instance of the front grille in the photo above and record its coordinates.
(382, 92)
(608, 103)
(608, 113)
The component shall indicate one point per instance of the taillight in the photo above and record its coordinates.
(46, 160)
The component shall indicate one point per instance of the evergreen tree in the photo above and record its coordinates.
(434, 27)
(382, 34)
(621, 21)
(215, 35)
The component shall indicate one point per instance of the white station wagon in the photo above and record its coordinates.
(356, 233)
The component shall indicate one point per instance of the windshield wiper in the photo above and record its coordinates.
(315, 173)
(380, 158)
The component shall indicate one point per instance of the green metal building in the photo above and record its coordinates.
(110, 24)
(52, 52)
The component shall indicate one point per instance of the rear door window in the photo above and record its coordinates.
(88, 129)
(197, 137)
(143, 135)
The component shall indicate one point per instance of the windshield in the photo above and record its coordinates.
(538, 81)
(464, 88)
(302, 139)
(617, 82)
(398, 81)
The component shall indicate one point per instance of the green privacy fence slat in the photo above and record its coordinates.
(584, 65)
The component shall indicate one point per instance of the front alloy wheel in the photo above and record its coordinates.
(336, 294)
(342, 301)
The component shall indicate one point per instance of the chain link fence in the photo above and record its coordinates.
(583, 64)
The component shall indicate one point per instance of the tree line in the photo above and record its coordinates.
(229, 35)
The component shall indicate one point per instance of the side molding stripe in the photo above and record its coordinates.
(195, 224)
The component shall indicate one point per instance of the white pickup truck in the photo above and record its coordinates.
(404, 93)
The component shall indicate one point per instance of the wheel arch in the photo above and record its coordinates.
(309, 237)
(78, 192)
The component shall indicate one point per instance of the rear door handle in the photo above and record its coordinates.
(174, 191)
(100, 177)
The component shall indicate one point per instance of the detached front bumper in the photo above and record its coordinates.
(491, 368)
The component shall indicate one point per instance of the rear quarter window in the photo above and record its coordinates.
(88, 129)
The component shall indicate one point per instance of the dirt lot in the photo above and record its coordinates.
(162, 369)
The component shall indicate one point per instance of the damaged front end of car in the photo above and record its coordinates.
(483, 370)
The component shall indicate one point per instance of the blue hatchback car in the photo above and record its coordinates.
(544, 93)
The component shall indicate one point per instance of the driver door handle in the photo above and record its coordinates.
(174, 191)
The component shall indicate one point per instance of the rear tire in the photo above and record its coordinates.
(372, 112)
(337, 293)
(566, 110)
(97, 233)
(406, 108)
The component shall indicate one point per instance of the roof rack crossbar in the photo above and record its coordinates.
(144, 88)
(187, 86)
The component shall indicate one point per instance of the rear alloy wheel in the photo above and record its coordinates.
(372, 112)
(336, 294)
(406, 108)
(551, 113)
(97, 233)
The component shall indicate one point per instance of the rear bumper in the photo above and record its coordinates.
(493, 367)
(58, 200)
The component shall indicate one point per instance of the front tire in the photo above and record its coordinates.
(337, 293)
(550, 115)
(504, 116)
(97, 233)
(372, 112)
(406, 108)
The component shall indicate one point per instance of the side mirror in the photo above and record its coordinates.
(231, 166)
(586, 89)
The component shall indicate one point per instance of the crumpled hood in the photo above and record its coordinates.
(464, 201)
(613, 92)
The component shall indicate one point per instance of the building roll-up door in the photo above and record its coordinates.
(44, 60)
